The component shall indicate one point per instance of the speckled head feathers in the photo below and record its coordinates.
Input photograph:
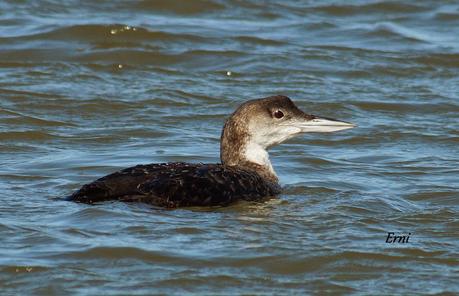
(259, 124)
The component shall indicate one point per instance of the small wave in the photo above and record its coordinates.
(306, 190)
(103, 106)
(204, 59)
(23, 177)
(21, 269)
(26, 136)
(406, 107)
(4, 91)
(116, 34)
(259, 41)
(14, 117)
(449, 16)
(90, 214)
(449, 60)
(131, 57)
(107, 252)
(379, 7)
(438, 216)
(442, 197)
(388, 30)
(16, 64)
(180, 7)
(316, 161)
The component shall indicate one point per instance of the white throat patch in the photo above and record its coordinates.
(257, 154)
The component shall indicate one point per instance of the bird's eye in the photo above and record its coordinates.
(278, 114)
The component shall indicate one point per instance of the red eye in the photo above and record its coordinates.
(278, 114)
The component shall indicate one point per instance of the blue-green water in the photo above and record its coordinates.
(87, 88)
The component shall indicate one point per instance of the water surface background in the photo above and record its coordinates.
(89, 87)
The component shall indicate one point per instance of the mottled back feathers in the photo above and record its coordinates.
(178, 184)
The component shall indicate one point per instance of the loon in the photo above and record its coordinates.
(245, 171)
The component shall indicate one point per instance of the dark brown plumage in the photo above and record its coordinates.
(178, 184)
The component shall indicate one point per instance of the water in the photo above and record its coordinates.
(88, 88)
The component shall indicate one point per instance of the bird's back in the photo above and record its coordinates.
(178, 184)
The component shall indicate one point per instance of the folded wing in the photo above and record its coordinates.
(178, 184)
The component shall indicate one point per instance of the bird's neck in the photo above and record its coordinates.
(238, 149)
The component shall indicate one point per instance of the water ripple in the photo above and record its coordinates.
(153, 81)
